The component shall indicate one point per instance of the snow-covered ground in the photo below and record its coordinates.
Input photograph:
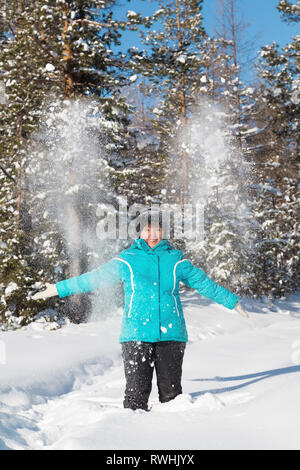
(63, 389)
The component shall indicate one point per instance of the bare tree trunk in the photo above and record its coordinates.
(20, 10)
(233, 33)
(67, 56)
(184, 190)
(19, 175)
(75, 304)
(235, 61)
(69, 91)
(232, 27)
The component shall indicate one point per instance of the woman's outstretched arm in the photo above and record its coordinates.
(197, 279)
(104, 276)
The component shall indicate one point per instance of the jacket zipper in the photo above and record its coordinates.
(158, 295)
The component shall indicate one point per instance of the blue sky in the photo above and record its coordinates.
(262, 16)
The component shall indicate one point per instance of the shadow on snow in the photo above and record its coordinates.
(256, 377)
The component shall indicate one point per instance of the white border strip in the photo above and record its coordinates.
(174, 276)
(132, 285)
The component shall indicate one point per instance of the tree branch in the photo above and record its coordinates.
(99, 25)
(7, 174)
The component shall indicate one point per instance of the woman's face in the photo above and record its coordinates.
(152, 235)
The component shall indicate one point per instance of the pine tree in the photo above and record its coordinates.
(173, 67)
(230, 227)
(275, 148)
(140, 172)
(189, 72)
(289, 11)
(53, 52)
(221, 188)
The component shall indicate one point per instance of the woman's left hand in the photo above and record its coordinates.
(240, 310)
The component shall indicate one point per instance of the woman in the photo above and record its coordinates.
(153, 331)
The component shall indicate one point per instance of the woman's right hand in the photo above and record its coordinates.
(50, 291)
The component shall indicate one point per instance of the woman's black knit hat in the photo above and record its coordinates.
(151, 217)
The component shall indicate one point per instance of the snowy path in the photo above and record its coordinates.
(64, 389)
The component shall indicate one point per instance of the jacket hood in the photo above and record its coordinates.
(141, 244)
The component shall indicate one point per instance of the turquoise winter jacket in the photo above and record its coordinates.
(152, 307)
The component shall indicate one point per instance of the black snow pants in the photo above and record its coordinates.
(140, 359)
